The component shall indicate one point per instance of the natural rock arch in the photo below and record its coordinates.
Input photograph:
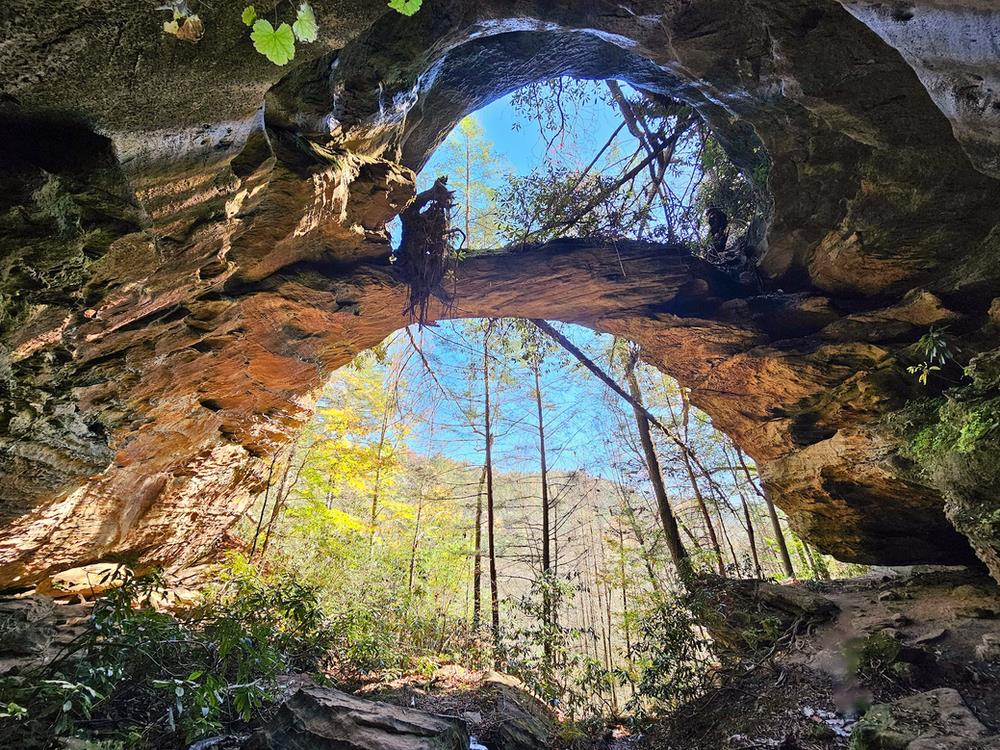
(194, 277)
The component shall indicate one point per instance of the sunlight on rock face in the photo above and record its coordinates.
(688, 302)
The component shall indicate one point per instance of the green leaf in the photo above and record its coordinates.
(277, 45)
(406, 7)
(305, 26)
(249, 15)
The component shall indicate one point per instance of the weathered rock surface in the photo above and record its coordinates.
(952, 47)
(191, 240)
(935, 720)
(515, 720)
(33, 630)
(498, 709)
(326, 719)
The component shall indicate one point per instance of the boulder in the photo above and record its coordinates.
(85, 581)
(935, 720)
(498, 709)
(34, 629)
(316, 718)
(26, 625)
(521, 720)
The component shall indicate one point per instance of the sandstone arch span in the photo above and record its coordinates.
(210, 243)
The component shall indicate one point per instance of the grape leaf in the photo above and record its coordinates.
(277, 45)
(249, 15)
(305, 26)
(406, 7)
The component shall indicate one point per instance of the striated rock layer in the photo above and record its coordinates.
(192, 240)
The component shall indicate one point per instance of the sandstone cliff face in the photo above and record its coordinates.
(191, 240)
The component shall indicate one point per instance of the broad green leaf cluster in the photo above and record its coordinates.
(278, 44)
(406, 7)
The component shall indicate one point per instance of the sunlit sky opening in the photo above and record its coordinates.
(577, 407)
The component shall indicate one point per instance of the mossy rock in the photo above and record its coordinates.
(936, 719)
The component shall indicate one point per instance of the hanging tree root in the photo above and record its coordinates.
(426, 246)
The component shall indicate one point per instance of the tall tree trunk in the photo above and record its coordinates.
(725, 532)
(468, 188)
(263, 508)
(554, 520)
(640, 539)
(279, 501)
(678, 554)
(801, 553)
(751, 535)
(623, 581)
(693, 479)
(546, 531)
(416, 539)
(812, 558)
(604, 609)
(378, 477)
(490, 509)
(477, 562)
(610, 646)
(779, 535)
(713, 538)
(285, 492)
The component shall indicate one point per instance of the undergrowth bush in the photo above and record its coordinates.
(670, 661)
(541, 652)
(151, 679)
(673, 655)
(875, 659)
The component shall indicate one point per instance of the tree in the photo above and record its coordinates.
(467, 159)
(675, 545)
(477, 562)
(533, 346)
(490, 504)
(779, 535)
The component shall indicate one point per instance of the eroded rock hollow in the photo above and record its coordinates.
(193, 239)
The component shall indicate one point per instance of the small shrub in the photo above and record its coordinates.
(936, 353)
(865, 734)
(674, 657)
(876, 658)
(152, 676)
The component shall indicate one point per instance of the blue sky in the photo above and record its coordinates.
(577, 406)
(578, 398)
(524, 148)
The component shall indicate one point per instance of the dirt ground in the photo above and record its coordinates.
(808, 697)
(943, 626)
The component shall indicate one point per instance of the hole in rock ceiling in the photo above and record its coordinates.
(455, 432)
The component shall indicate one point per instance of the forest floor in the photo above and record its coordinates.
(896, 635)
(923, 644)
(938, 625)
